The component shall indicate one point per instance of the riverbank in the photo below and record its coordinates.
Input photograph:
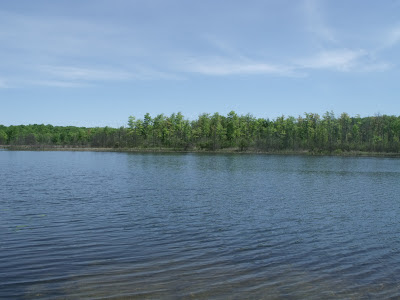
(171, 150)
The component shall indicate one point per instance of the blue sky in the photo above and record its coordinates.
(96, 62)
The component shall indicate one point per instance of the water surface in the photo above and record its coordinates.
(92, 225)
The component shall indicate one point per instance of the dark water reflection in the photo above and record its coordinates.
(114, 225)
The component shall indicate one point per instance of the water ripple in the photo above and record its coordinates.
(115, 225)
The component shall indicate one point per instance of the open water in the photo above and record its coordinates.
(91, 225)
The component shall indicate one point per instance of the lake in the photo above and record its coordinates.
(92, 225)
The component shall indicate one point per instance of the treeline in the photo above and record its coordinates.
(311, 132)
(48, 135)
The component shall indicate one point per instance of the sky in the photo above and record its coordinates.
(97, 62)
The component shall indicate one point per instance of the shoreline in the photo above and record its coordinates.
(220, 151)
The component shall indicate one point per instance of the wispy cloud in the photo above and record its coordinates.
(54, 36)
(73, 51)
(391, 37)
(55, 83)
(229, 66)
(149, 73)
(85, 74)
(66, 51)
(72, 76)
(343, 60)
(78, 77)
(316, 23)
(338, 60)
(229, 61)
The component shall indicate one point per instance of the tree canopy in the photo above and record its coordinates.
(310, 132)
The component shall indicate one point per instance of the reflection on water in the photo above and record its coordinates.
(93, 225)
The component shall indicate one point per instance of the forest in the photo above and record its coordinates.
(214, 132)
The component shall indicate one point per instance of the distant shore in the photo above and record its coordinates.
(171, 150)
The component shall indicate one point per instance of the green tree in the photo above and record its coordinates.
(232, 128)
(3, 137)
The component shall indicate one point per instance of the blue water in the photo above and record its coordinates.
(90, 225)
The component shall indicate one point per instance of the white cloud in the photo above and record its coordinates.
(95, 74)
(77, 77)
(85, 74)
(55, 83)
(229, 62)
(148, 73)
(221, 67)
(47, 50)
(344, 60)
(73, 51)
(341, 60)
